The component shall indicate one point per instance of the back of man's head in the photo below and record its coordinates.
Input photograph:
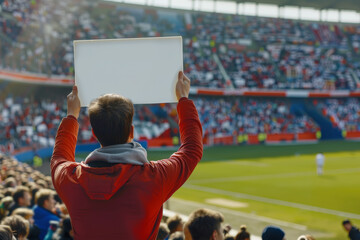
(111, 118)
(204, 224)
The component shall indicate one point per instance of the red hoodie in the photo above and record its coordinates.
(123, 201)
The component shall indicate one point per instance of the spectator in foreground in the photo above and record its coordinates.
(45, 204)
(175, 224)
(204, 224)
(65, 232)
(273, 233)
(22, 198)
(354, 233)
(19, 226)
(306, 237)
(28, 214)
(243, 234)
(116, 192)
(163, 232)
(6, 233)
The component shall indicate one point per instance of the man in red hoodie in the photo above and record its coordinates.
(116, 193)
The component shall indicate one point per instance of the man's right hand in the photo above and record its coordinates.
(73, 103)
(182, 86)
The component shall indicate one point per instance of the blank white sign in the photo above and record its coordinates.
(142, 69)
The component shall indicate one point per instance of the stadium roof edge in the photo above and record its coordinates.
(317, 4)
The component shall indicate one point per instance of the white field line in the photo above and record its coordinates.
(247, 163)
(255, 217)
(271, 176)
(273, 201)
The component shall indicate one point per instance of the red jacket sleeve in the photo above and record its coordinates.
(177, 169)
(65, 144)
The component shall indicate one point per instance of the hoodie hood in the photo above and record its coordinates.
(101, 183)
(128, 153)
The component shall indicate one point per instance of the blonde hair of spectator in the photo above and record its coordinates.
(42, 195)
(23, 212)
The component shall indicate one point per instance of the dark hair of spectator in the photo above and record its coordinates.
(5, 233)
(173, 222)
(346, 221)
(19, 193)
(111, 119)
(163, 232)
(243, 234)
(19, 225)
(203, 222)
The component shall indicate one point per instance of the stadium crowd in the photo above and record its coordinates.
(31, 209)
(26, 122)
(254, 52)
(343, 113)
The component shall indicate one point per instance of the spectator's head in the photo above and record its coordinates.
(66, 231)
(22, 196)
(306, 237)
(273, 233)
(175, 224)
(10, 182)
(177, 236)
(111, 118)
(163, 232)
(347, 225)
(204, 224)
(19, 226)
(45, 198)
(6, 233)
(25, 213)
(243, 234)
(5, 204)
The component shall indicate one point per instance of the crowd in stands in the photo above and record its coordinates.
(31, 123)
(31, 209)
(250, 116)
(343, 113)
(253, 52)
(29, 204)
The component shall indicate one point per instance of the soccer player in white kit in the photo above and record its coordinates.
(320, 160)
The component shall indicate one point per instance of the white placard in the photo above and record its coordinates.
(142, 69)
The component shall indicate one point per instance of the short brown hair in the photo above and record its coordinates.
(42, 195)
(19, 225)
(111, 117)
(203, 222)
(19, 193)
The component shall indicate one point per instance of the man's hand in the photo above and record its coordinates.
(182, 86)
(73, 103)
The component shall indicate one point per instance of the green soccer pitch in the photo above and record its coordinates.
(278, 185)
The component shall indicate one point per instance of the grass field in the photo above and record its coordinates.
(280, 183)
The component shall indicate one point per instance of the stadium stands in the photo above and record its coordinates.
(220, 51)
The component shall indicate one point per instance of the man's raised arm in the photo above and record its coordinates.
(65, 141)
(177, 169)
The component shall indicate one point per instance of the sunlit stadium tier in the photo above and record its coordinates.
(220, 50)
